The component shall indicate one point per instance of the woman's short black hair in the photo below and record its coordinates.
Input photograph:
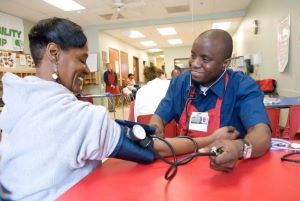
(63, 32)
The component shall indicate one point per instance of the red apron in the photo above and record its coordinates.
(108, 88)
(214, 117)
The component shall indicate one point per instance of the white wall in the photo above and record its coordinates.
(269, 13)
(172, 53)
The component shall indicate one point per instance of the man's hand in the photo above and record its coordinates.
(227, 159)
(226, 132)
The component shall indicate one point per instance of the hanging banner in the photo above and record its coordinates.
(11, 33)
(283, 38)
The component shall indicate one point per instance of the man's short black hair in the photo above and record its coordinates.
(63, 32)
(130, 74)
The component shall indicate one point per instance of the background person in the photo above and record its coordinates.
(111, 84)
(149, 95)
(222, 97)
(175, 72)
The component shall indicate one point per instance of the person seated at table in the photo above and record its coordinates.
(175, 72)
(131, 87)
(149, 95)
(210, 96)
(131, 82)
(49, 140)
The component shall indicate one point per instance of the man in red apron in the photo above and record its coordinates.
(111, 83)
(209, 97)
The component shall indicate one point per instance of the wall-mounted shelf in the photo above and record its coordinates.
(90, 79)
(21, 72)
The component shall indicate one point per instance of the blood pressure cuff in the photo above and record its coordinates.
(127, 149)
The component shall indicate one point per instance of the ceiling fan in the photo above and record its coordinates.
(120, 6)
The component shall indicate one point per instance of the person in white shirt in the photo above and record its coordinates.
(149, 96)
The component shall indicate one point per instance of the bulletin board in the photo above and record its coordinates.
(92, 62)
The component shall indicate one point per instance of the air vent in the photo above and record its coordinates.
(106, 16)
(178, 9)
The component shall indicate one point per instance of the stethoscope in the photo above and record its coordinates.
(281, 144)
(192, 96)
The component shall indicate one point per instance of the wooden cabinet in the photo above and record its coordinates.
(91, 79)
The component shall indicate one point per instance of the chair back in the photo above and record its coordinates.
(293, 123)
(268, 86)
(274, 117)
(131, 111)
(170, 129)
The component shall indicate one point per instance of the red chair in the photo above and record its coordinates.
(293, 123)
(131, 111)
(170, 128)
(274, 116)
(268, 86)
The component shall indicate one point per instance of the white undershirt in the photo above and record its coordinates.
(149, 96)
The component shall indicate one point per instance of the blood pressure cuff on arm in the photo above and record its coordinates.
(127, 149)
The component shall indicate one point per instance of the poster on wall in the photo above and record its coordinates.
(7, 59)
(104, 58)
(22, 60)
(283, 38)
(92, 63)
(11, 33)
(29, 61)
(299, 30)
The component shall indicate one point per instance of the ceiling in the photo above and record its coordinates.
(188, 17)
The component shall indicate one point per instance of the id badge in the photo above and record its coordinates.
(199, 121)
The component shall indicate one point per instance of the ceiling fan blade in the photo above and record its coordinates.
(115, 15)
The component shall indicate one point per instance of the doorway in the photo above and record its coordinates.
(124, 67)
(136, 69)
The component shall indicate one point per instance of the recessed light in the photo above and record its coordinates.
(176, 41)
(221, 25)
(167, 31)
(148, 43)
(66, 5)
(134, 34)
(154, 50)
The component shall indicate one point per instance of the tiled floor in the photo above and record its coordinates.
(120, 113)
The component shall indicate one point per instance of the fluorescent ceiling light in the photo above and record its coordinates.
(134, 34)
(154, 50)
(148, 43)
(221, 25)
(161, 56)
(176, 41)
(66, 5)
(167, 31)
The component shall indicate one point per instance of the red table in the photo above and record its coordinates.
(266, 178)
